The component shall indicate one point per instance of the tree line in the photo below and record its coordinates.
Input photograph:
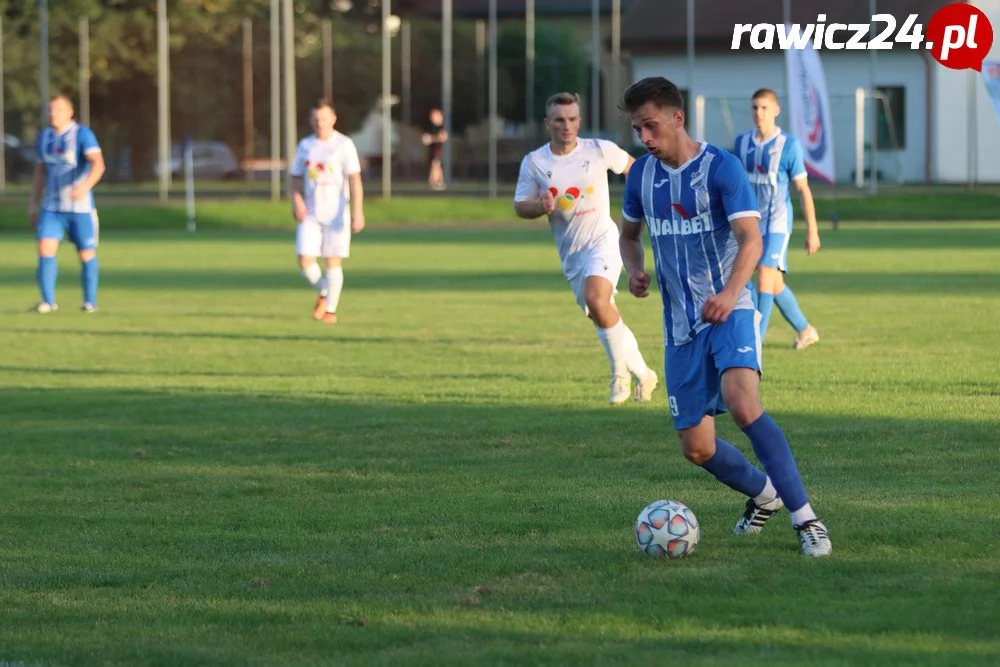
(206, 67)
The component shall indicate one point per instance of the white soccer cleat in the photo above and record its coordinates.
(755, 516)
(43, 307)
(814, 539)
(88, 307)
(806, 337)
(645, 387)
(621, 389)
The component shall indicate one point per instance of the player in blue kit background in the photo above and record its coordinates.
(701, 213)
(773, 160)
(70, 164)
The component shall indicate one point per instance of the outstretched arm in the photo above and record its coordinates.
(809, 211)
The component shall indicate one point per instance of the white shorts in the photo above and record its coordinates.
(315, 240)
(604, 261)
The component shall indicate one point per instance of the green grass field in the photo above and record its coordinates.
(200, 474)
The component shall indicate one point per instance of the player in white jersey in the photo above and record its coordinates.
(773, 160)
(327, 202)
(70, 164)
(567, 181)
(701, 213)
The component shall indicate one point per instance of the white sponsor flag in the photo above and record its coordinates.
(810, 111)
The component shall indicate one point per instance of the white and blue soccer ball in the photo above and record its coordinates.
(667, 529)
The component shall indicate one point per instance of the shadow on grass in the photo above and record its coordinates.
(400, 282)
(373, 531)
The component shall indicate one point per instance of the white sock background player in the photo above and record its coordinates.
(566, 180)
(327, 202)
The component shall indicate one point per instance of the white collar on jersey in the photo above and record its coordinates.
(672, 170)
(753, 136)
(548, 148)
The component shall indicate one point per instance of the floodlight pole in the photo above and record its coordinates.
(493, 99)
(163, 96)
(291, 115)
(84, 71)
(275, 100)
(446, 80)
(386, 102)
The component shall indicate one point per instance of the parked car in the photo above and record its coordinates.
(212, 160)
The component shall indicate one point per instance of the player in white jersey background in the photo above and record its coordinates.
(773, 160)
(70, 164)
(328, 204)
(566, 180)
(701, 214)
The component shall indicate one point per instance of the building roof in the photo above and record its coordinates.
(661, 25)
(509, 9)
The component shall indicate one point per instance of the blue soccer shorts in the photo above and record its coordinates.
(694, 370)
(82, 228)
(775, 252)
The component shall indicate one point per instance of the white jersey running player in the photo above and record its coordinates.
(567, 181)
(327, 202)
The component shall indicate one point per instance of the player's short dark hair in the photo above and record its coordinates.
(59, 95)
(765, 92)
(656, 89)
(561, 99)
(323, 102)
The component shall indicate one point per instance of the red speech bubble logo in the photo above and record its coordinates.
(959, 36)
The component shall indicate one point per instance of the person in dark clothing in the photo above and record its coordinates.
(434, 138)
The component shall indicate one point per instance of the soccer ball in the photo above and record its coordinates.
(667, 528)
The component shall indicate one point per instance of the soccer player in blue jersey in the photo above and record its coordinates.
(702, 217)
(70, 164)
(773, 160)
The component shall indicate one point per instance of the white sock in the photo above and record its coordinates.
(768, 495)
(633, 358)
(615, 347)
(335, 281)
(314, 275)
(803, 514)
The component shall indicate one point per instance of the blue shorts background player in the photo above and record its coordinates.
(701, 213)
(70, 164)
(773, 160)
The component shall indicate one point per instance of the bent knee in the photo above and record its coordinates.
(745, 410)
(87, 255)
(698, 456)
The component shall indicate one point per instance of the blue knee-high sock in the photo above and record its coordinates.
(771, 447)
(88, 276)
(48, 271)
(789, 307)
(765, 304)
(734, 470)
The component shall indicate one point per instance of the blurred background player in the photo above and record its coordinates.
(327, 201)
(567, 181)
(702, 218)
(773, 160)
(434, 138)
(70, 164)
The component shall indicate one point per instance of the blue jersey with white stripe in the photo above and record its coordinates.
(771, 166)
(65, 159)
(688, 211)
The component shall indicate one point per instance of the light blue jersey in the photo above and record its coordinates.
(771, 167)
(65, 159)
(688, 211)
